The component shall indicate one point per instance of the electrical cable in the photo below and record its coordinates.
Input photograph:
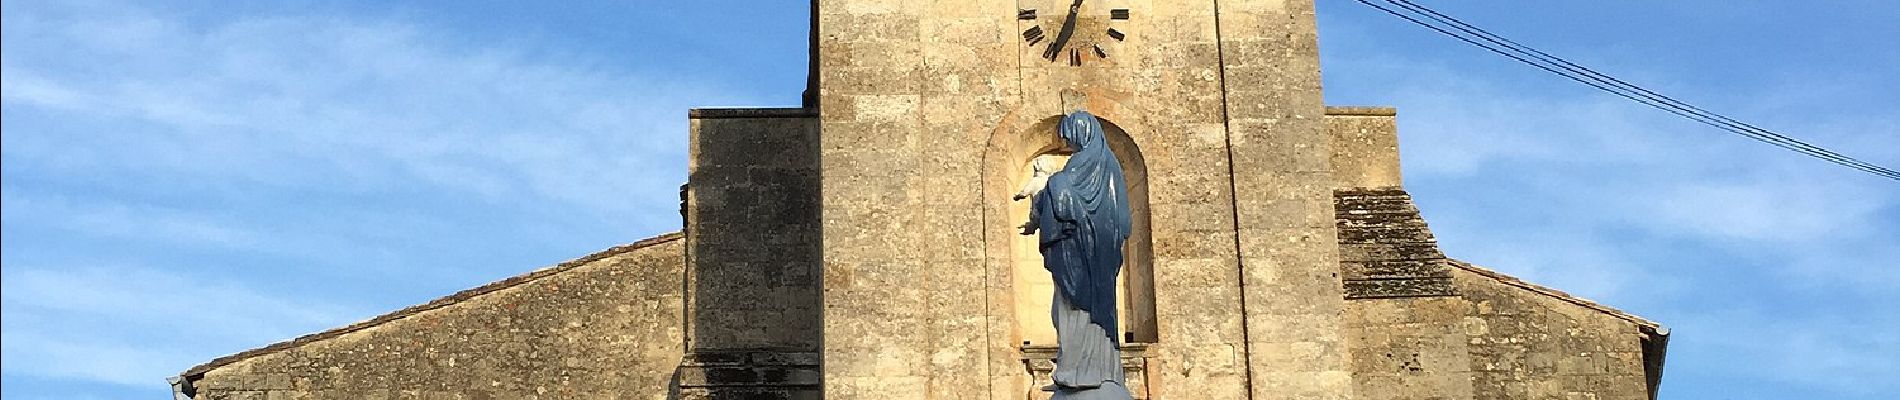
(1753, 131)
(1584, 75)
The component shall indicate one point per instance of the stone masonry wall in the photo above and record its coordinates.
(1365, 146)
(1386, 250)
(1423, 326)
(1409, 348)
(908, 90)
(1405, 321)
(1283, 185)
(753, 255)
(604, 326)
(914, 98)
(1385, 247)
(752, 229)
(1530, 342)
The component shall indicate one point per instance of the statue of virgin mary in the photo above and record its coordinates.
(1081, 219)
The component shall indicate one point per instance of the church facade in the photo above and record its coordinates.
(866, 245)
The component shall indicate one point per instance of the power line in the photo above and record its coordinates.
(1494, 43)
(1753, 131)
(1623, 88)
(1660, 100)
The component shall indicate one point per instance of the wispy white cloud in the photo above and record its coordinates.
(117, 221)
(350, 105)
(128, 124)
(134, 325)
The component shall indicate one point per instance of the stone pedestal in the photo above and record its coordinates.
(1040, 361)
(1109, 391)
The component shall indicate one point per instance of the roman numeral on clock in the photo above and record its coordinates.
(1033, 35)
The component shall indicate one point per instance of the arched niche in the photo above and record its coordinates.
(1007, 168)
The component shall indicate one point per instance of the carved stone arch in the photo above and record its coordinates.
(1013, 259)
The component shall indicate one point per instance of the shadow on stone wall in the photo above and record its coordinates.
(754, 247)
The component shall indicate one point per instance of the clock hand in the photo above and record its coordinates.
(1062, 38)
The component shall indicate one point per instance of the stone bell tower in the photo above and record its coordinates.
(866, 245)
(927, 112)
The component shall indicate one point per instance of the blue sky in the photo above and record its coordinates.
(187, 180)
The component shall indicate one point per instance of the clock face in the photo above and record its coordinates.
(1073, 32)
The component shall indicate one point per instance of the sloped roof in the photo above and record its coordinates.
(1556, 294)
(435, 304)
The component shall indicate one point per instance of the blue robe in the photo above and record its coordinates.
(1082, 216)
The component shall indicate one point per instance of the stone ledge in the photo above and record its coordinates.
(727, 113)
(786, 377)
(751, 357)
(750, 394)
(1399, 269)
(1377, 288)
(1362, 111)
